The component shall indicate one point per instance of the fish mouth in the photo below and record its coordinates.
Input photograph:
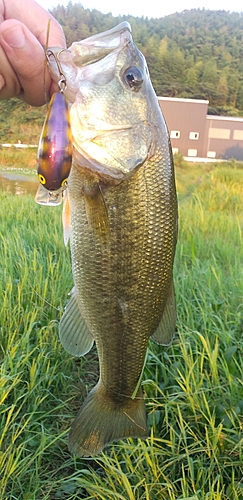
(82, 55)
(96, 47)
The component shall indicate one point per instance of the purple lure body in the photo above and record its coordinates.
(54, 157)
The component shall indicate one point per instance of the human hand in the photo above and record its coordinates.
(23, 31)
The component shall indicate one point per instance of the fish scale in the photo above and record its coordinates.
(123, 233)
(123, 287)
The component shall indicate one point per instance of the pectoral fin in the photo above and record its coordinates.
(166, 329)
(66, 217)
(73, 332)
(96, 212)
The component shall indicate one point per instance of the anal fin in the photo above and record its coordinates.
(166, 329)
(73, 332)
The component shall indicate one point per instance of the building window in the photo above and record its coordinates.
(192, 152)
(219, 133)
(175, 151)
(211, 154)
(238, 135)
(194, 136)
(175, 134)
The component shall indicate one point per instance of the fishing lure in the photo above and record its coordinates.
(54, 156)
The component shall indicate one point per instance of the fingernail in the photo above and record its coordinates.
(14, 37)
(2, 82)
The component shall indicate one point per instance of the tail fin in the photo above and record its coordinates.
(102, 420)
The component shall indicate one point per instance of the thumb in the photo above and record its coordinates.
(23, 65)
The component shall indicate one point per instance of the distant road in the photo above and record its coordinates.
(19, 145)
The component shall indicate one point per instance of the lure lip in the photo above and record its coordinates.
(49, 198)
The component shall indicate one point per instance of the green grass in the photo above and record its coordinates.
(193, 389)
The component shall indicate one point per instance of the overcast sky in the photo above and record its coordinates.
(148, 8)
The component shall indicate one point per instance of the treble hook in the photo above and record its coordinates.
(62, 83)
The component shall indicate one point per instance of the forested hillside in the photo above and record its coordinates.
(193, 54)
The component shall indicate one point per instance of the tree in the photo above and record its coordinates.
(192, 77)
(233, 86)
(239, 100)
(222, 90)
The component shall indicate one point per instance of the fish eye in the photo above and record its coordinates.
(134, 77)
(42, 179)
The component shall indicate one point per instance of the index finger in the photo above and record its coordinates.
(35, 18)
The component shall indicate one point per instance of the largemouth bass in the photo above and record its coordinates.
(123, 231)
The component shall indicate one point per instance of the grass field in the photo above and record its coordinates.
(22, 158)
(193, 389)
